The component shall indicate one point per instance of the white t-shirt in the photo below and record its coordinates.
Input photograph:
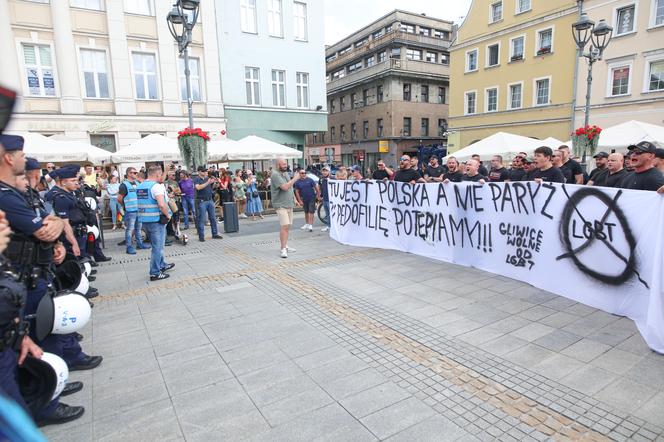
(159, 189)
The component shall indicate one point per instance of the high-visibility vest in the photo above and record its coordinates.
(148, 208)
(130, 201)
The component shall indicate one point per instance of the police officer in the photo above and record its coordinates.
(31, 229)
(86, 191)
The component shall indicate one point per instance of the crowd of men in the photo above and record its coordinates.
(642, 168)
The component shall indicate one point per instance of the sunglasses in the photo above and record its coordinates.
(405, 159)
(638, 152)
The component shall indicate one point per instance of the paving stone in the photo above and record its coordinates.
(374, 399)
(626, 395)
(397, 417)
(557, 340)
(585, 350)
(435, 428)
(292, 406)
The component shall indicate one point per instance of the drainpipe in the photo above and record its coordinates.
(579, 4)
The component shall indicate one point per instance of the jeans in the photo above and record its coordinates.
(115, 208)
(188, 206)
(203, 208)
(326, 205)
(133, 225)
(157, 234)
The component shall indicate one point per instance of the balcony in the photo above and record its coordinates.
(394, 36)
(396, 66)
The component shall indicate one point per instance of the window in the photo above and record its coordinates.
(142, 7)
(353, 131)
(377, 34)
(365, 129)
(445, 58)
(379, 93)
(248, 16)
(522, 6)
(432, 57)
(406, 92)
(425, 31)
(471, 100)
(625, 20)
(252, 86)
(414, 54)
(516, 92)
(442, 127)
(655, 79)
(365, 97)
(145, 75)
(407, 28)
(345, 50)
(95, 73)
(302, 85)
(342, 103)
(395, 53)
(333, 134)
(87, 4)
(274, 21)
(496, 12)
(381, 56)
(542, 91)
(493, 55)
(657, 15)
(314, 138)
(620, 80)
(471, 60)
(195, 77)
(279, 89)
(322, 137)
(491, 99)
(341, 73)
(331, 58)
(441, 95)
(424, 127)
(342, 133)
(379, 127)
(406, 126)
(424, 93)
(300, 20)
(517, 47)
(443, 35)
(104, 141)
(39, 70)
(362, 42)
(354, 67)
(353, 101)
(332, 106)
(370, 61)
(545, 41)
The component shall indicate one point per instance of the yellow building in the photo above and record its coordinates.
(512, 70)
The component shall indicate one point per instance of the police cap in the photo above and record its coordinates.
(31, 164)
(11, 142)
(69, 171)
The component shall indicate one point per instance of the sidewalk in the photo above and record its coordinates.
(341, 343)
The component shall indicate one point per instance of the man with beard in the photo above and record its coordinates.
(283, 200)
(481, 170)
(406, 174)
(576, 171)
(601, 158)
(614, 173)
(433, 170)
(472, 172)
(516, 173)
(645, 175)
(545, 171)
(453, 173)
(498, 172)
(557, 161)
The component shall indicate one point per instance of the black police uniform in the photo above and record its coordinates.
(67, 206)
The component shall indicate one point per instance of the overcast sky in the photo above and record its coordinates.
(343, 17)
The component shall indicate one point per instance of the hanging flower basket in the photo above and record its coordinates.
(193, 146)
(585, 140)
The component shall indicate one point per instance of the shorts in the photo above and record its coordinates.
(285, 216)
(309, 206)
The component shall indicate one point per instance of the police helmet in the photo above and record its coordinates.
(42, 380)
(86, 266)
(64, 313)
(69, 276)
(94, 230)
(92, 202)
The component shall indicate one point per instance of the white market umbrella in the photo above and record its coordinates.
(94, 154)
(154, 147)
(219, 150)
(551, 142)
(257, 148)
(47, 150)
(630, 132)
(501, 143)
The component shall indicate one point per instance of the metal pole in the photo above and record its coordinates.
(576, 73)
(187, 74)
(589, 81)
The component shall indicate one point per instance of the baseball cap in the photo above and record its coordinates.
(659, 153)
(202, 169)
(356, 168)
(643, 146)
(601, 155)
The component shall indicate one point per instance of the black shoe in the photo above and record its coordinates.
(168, 243)
(159, 277)
(93, 271)
(88, 363)
(217, 237)
(122, 243)
(78, 336)
(71, 388)
(63, 413)
(201, 239)
(92, 293)
(93, 263)
(168, 267)
(92, 278)
(103, 258)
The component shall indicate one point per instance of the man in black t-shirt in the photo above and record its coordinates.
(614, 173)
(557, 161)
(434, 171)
(498, 172)
(545, 171)
(406, 174)
(645, 175)
(481, 170)
(453, 173)
(576, 171)
(382, 173)
(516, 173)
(601, 159)
(472, 172)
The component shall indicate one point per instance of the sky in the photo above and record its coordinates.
(342, 17)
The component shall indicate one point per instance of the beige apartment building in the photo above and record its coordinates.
(387, 91)
(106, 71)
(628, 83)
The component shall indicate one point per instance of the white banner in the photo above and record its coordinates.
(599, 246)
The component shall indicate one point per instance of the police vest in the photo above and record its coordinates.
(148, 208)
(75, 215)
(130, 202)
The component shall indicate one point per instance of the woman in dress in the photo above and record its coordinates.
(112, 188)
(240, 194)
(254, 204)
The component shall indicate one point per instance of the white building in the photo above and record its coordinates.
(106, 71)
(272, 58)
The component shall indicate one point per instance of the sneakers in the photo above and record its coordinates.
(290, 249)
(217, 237)
(304, 227)
(311, 228)
(159, 277)
(131, 250)
(325, 229)
(144, 246)
(284, 253)
(168, 267)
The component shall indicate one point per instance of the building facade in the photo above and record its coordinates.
(628, 83)
(512, 70)
(106, 71)
(272, 68)
(387, 91)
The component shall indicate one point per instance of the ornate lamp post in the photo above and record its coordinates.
(598, 35)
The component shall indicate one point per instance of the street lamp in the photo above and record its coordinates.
(181, 21)
(598, 35)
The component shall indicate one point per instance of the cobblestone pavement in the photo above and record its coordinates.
(343, 343)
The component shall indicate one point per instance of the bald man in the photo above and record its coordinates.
(614, 173)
